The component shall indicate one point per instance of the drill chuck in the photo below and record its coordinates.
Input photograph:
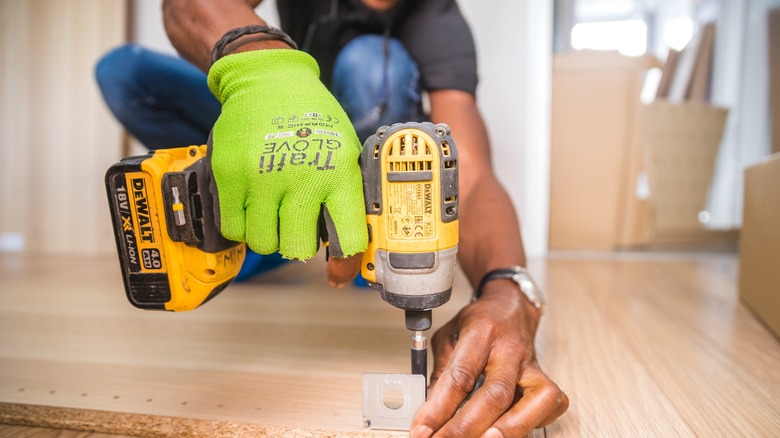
(418, 320)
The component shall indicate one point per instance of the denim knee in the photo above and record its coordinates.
(362, 84)
(117, 74)
(161, 99)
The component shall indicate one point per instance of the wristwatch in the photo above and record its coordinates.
(520, 276)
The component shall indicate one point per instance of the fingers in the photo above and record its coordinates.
(343, 270)
(232, 222)
(563, 406)
(453, 384)
(298, 228)
(442, 346)
(491, 400)
(229, 213)
(261, 233)
(292, 229)
(515, 398)
(345, 217)
(541, 404)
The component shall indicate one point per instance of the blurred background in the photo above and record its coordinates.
(615, 124)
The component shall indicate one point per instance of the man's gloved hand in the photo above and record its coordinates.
(283, 150)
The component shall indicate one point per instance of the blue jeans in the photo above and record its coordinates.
(164, 101)
(375, 91)
(161, 100)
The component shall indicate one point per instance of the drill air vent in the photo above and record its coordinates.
(410, 158)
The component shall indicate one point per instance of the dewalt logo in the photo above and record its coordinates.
(428, 199)
(143, 219)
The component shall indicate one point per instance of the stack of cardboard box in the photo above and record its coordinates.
(624, 173)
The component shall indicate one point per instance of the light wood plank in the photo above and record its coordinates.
(611, 393)
(668, 341)
(644, 345)
(285, 350)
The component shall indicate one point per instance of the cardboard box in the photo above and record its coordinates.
(759, 252)
(596, 155)
(624, 174)
(774, 76)
(681, 142)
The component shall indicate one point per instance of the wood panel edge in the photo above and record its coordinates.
(151, 426)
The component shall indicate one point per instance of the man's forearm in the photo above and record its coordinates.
(194, 26)
(490, 233)
(490, 236)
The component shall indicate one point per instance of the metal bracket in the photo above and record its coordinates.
(390, 401)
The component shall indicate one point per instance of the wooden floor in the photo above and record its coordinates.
(643, 344)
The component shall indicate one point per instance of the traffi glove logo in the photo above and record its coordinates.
(304, 146)
(282, 151)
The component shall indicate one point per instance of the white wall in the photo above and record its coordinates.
(56, 136)
(740, 83)
(514, 46)
(514, 50)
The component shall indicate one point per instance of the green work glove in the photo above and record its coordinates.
(283, 152)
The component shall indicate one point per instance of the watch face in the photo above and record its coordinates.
(525, 283)
(528, 287)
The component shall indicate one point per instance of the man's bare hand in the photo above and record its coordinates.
(492, 336)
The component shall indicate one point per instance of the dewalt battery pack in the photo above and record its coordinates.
(171, 254)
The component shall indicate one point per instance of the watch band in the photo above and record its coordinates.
(520, 276)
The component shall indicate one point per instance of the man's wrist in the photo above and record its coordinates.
(254, 42)
(251, 37)
(518, 275)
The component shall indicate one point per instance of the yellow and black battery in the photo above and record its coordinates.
(171, 254)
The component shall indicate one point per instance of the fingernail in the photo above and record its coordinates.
(421, 432)
(493, 433)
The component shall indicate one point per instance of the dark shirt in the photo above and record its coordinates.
(433, 31)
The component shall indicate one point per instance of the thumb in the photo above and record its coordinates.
(343, 270)
(344, 218)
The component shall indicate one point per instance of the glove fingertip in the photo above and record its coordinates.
(346, 227)
(231, 228)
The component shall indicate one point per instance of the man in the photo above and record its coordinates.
(376, 56)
